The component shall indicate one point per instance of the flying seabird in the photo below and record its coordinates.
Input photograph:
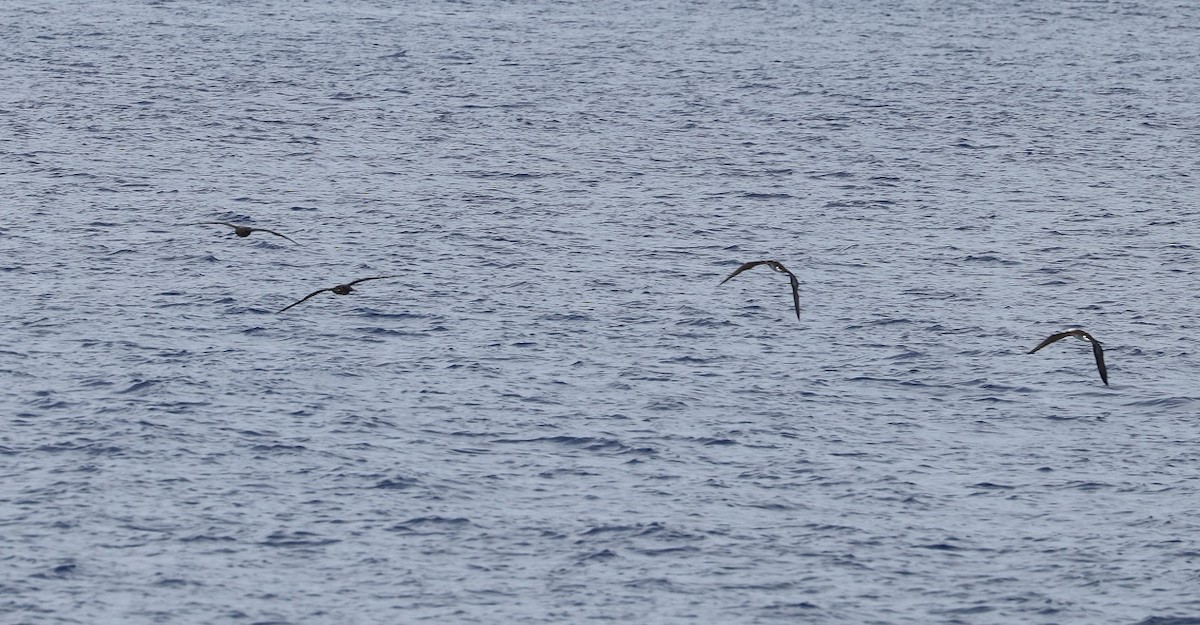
(341, 289)
(242, 231)
(1083, 336)
(777, 266)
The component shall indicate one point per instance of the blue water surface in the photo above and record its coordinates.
(551, 412)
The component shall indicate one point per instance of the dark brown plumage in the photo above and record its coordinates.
(242, 231)
(341, 289)
(777, 266)
(1097, 351)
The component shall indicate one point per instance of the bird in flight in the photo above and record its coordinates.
(242, 231)
(777, 266)
(1083, 336)
(341, 289)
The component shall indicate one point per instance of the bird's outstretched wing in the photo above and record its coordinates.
(795, 293)
(274, 233)
(304, 299)
(365, 279)
(213, 223)
(1052, 338)
(1099, 352)
(750, 265)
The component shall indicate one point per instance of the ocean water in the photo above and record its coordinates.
(550, 412)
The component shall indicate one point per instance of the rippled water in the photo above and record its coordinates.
(552, 413)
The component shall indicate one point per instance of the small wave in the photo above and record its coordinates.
(91, 448)
(567, 472)
(599, 556)
(662, 551)
(656, 530)
(296, 539)
(907, 354)
(940, 547)
(565, 317)
(138, 386)
(59, 572)
(709, 322)
(933, 293)
(430, 525)
(588, 443)
(767, 196)
(1165, 402)
(692, 360)
(397, 483)
(279, 449)
(1075, 485)
(988, 258)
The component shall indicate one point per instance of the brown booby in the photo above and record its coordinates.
(777, 266)
(242, 231)
(341, 289)
(1083, 336)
